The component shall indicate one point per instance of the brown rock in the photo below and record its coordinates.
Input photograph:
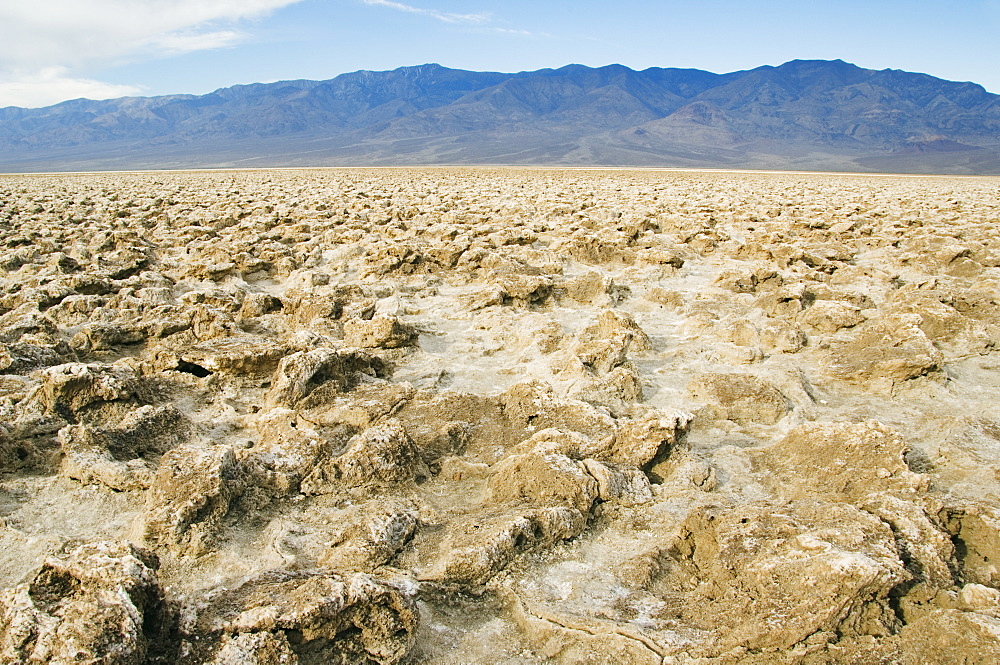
(99, 603)
(641, 443)
(976, 529)
(77, 392)
(381, 332)
(191, 492)
(373, 537)
(525, 289)
(532, 404)
(979, 598)
(782, 339)
(783, 573)
(626, 485)
(829, 316)
(542, 478)
(105, 336)
(364, 405)
(319, 617)
(301, 373)
(603, 345)
(240, 355)
(570, 640)
(843, 460)
(383, 453)
(951, 636)
(475, 550)
(289, 448)
(924, 545)
(742, 398)
(254, 649)
(489, 295)
(122, 457)
(891, 349)
(592, 288)
(736, 280)
(17, 454)
(21, 358)
(613, 390)
(259, 304)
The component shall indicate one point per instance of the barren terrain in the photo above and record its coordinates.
(499, 416)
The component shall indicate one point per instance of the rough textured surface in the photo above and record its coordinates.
(521, 416)
(100, 603)
(305, 618)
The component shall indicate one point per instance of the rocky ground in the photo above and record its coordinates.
(499, 416)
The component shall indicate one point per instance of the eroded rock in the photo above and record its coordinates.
(189, 495)
(475, 550)
(846, 460)
(301, 373)
(383, 453)
(894, 349)
(98, 603)
(380, 332)
(124, 457)
(784, 573)
(315, 617)
(393, 388)
(742, 398)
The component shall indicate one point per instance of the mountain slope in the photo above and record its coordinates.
(804, 114)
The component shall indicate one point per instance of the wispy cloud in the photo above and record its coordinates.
(447, 17)
(483, 22)
(176, 43)
(53, 44)
(518, 33)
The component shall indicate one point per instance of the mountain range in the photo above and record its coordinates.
(802, 115)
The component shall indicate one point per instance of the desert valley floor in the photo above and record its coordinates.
(461, 415)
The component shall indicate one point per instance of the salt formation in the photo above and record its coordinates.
(499, 415)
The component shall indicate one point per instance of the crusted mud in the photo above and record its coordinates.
(499, 416)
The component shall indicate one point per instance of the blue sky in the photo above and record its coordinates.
(52, 50)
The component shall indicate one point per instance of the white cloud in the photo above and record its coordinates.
(51, 85)
(55, 42)
(447, 17)
(176, 43)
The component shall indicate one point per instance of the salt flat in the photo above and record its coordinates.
(476, 415)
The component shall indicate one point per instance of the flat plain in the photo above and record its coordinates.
(485, 415)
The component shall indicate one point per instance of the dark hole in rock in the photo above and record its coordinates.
(192, 368)
(322, 650)
(918, 461)
(52, 586)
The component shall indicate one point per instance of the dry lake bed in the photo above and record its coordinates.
(462, 415)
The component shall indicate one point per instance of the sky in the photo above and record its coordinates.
(54, 50)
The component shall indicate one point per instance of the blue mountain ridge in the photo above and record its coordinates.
(804, 115)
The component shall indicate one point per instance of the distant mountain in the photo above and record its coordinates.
(804, 114)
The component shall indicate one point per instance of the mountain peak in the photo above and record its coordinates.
(800, 114)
